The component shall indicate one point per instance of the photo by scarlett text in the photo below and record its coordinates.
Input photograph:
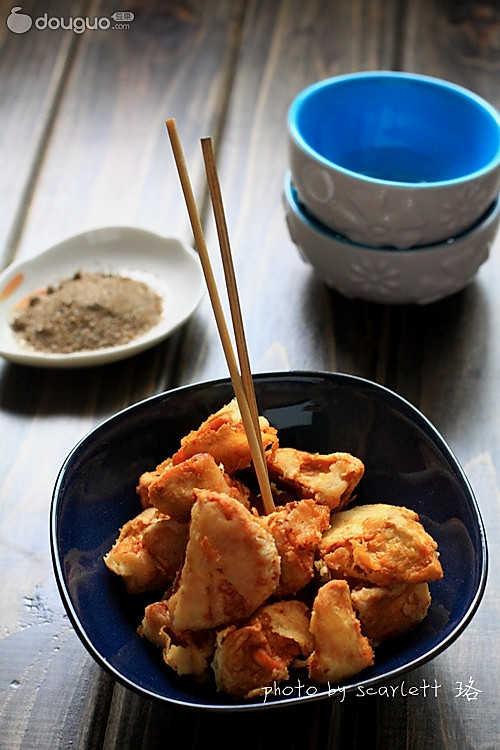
(463, 689)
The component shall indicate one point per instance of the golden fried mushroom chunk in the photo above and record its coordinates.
(223, 436)
(156, 624)
(231, 565)
(297, 528)
(388, 611)
(253, 656)
(287, 622)
(186, 653)
(340, 649)
(166, 543)
(380, 544)
(148, 478)
(172, 490)
(148, 551)
(243, 663)
(330, 479)
(191, 653)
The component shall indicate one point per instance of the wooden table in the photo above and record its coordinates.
(83, 144)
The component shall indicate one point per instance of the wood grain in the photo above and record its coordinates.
(108, 161)
(105, 160)
(313, 43)
(32, 81)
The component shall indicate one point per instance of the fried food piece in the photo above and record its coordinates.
(231, 565)
(340, 649)
(243, 662)
(166, 541)
(253, 656)
(297, 528)
(146, 479)
(287, 621)
(380, 544)
(389, 611)
(186, 653)
(330, 479)
(172, 490)
(156, 624)
(223, 436)
(148, 551)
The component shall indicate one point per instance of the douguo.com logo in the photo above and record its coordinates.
(19, 22)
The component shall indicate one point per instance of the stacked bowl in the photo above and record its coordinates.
(393, 189)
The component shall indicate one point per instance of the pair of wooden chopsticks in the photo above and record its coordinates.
(241, 377)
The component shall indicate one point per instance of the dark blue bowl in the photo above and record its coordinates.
(407, 463)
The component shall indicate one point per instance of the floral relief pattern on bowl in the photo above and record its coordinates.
(375, 275)
(319, 184)
(455, 273)
(389, 276)
(346, 215)
(378, 278)
(468, 199)
(402, 221)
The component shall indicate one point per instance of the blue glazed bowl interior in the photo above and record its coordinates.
(407, 462)
(397, 127)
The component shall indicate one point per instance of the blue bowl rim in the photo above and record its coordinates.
(310, 376)
(306, 217)
(303, 95)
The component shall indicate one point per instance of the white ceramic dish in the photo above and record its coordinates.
(167, 265)
(392, 159)
(418, 275)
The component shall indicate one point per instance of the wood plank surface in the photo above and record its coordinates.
(314, 41)
(90, 111)
(429, 355)
(32, 80)
(444, 359)
(106, 161)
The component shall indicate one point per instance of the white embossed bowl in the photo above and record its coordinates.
(394, 159)
(420, 275)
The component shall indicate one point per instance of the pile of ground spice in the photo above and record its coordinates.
(89, 311)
